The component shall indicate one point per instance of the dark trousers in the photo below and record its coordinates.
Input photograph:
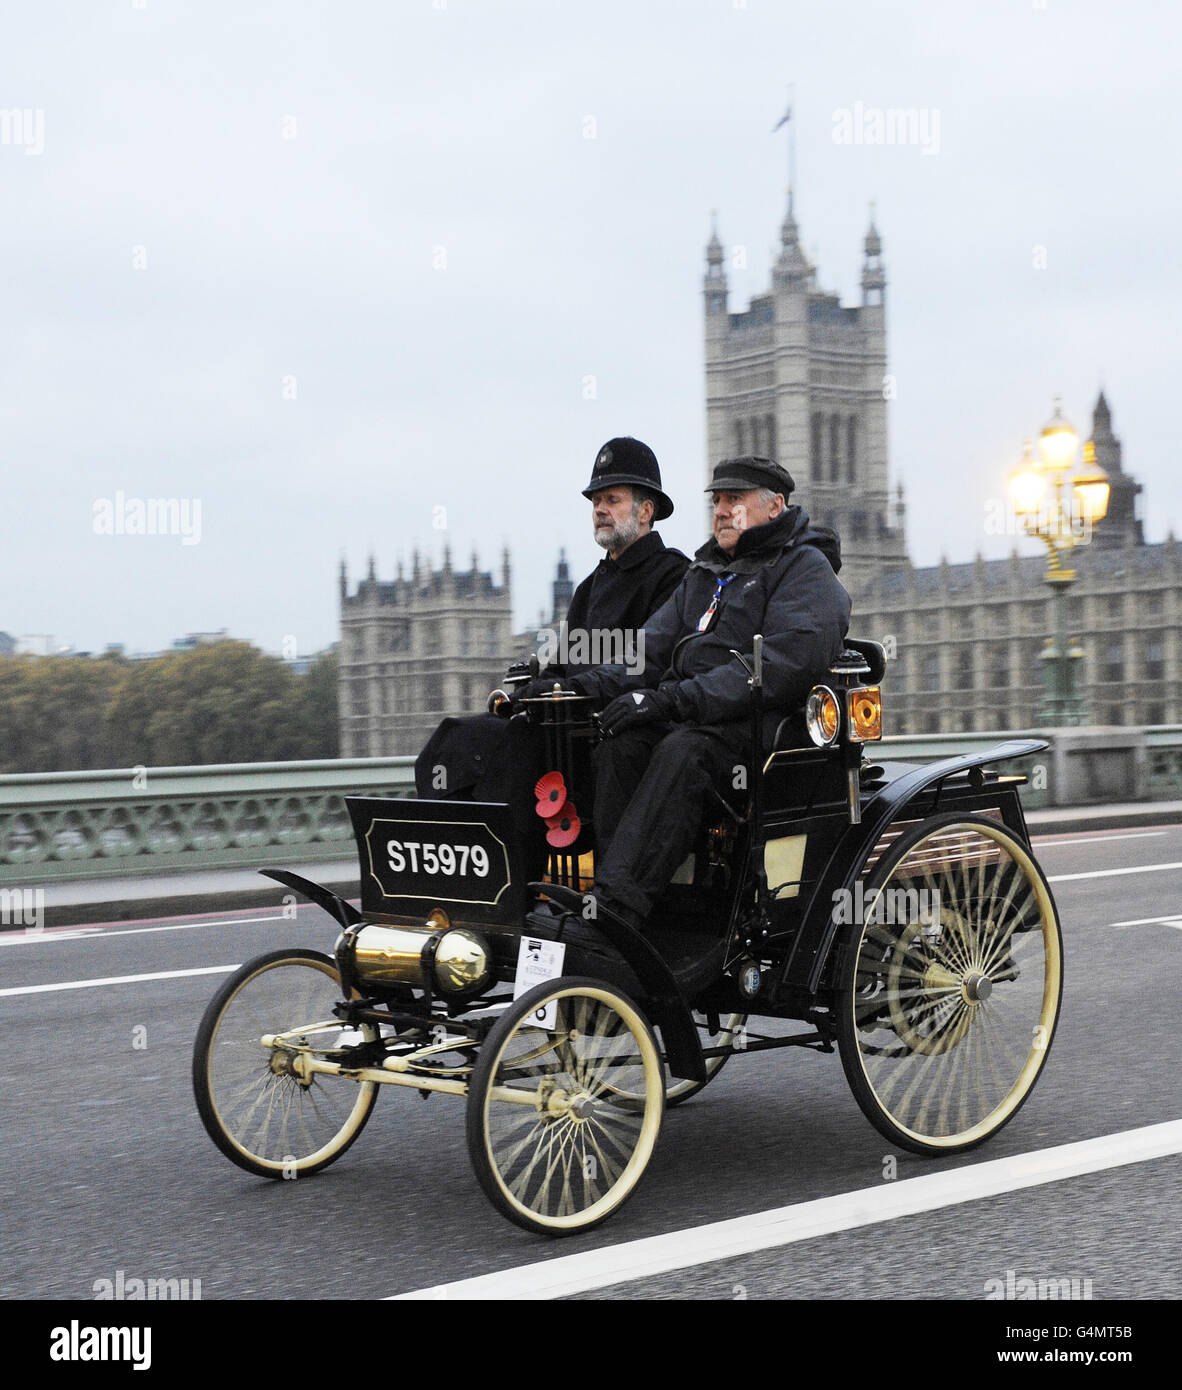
(652, 786)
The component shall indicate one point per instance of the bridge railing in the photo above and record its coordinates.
(56, 826)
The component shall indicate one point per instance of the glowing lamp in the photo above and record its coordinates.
(1058, 441)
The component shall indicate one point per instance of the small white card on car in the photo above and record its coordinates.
(537, 962)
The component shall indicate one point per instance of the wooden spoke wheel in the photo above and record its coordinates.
(952, 982)
(562, 1119)
(255, 1104)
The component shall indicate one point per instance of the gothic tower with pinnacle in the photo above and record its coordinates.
(803, 378)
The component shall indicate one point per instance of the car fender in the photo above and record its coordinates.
(847, 861)
(336, 907)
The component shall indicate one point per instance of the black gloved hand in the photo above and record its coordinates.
(637, 707)
(542, 685)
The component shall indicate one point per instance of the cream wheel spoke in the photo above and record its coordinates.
(964, 1008)
(570, 1161)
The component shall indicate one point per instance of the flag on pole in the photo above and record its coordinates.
(784, 119)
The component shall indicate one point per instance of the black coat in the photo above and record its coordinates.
(621, 595)
(785, 586)
(474, 751)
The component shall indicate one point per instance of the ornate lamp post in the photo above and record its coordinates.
(1061, 513)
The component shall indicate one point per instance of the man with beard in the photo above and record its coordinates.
(683, 725)
(473, 755)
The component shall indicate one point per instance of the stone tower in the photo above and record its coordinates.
(416, 648)
(802, 377)
(1121, 525)
(561, 591)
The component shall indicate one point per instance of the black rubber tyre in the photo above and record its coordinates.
(255, 1110)
(945, 1018)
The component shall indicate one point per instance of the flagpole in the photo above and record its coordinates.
(786, 119)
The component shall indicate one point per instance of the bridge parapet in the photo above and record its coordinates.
(1086, 766)
(57, 826)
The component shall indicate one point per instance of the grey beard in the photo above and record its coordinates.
(619, 537)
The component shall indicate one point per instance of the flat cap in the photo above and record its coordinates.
(742, 474)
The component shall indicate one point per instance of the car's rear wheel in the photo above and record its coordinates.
(952, 983)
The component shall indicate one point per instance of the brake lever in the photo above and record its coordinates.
(742, 660)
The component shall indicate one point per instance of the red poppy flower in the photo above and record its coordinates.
(551, 793)
(563, 829)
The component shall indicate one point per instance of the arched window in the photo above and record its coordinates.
(851, 455)
(740, 437)
(835, 449)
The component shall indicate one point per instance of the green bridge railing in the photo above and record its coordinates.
(56, 826)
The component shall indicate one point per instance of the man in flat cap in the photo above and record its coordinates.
(683, 726)
(471, 755)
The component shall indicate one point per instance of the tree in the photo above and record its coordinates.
(223, 702)
(53, 712)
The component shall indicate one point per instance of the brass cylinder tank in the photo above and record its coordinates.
(391, 955)
(459, 961)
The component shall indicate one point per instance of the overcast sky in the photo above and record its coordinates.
(224, 205)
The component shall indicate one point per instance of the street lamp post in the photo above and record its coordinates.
(1061, 513)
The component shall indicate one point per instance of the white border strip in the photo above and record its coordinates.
(642, 1259)
(30, 937)
(1113, 873)
(1082, 841)
(121, 980)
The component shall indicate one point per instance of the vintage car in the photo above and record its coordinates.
(895, 911)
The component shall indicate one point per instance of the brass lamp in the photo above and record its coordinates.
(1091, 488)
(1028, 483)
(1061, 519)
(1058, 441)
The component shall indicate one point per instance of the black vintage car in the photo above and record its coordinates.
(895, 911)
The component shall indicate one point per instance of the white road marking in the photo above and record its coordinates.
(32, 934)
(121, 980)
(107, 933)
(642, 1259)
(1083, 838)
(1173, 920)
(1110, 873)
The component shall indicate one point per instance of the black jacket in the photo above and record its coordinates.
(785, 586)
(621, 595)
